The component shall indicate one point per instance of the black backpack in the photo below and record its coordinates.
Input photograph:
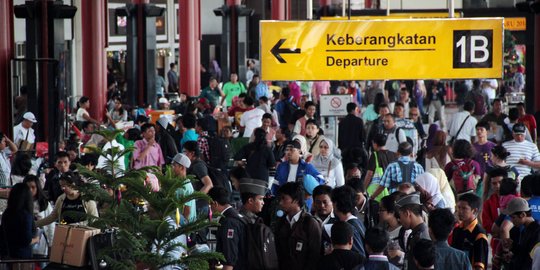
(260, 246)
(288, 111)
(220, 152)
(219, 179)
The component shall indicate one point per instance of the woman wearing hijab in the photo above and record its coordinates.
(328, 165)
(427, 183)
(445, 188)
(307, 156)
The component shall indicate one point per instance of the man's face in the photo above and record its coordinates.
(310, 111)
(213, 83)
(178, 169)
(465, 212)
(518, 137)
(90, 128)
(67, 188)
(189, 154)
(149, 133)
(388, 122)
(292, 153)
(27, 124)
(405, 218)
(256, 204)
(62, 164)
(286, 203)
(234, 77)
(521, 110)
(517, 219)
(481, 132)
(323, 204)
(398, 111)
(404, 95)
(266, 123)
(414, 113)
(384, 111)
(257, 80)
(497, 107)
(496, 184)
(2, 143)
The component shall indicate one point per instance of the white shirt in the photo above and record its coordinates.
(490, 89)
(251, 120)
(293, 168)
(80, 114)
(524, 149)
(19, 134)
(391, 140)
(5, 166)
(468, 130)
(294, 219)
(102, 161)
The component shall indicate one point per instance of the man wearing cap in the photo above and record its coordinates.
(24, 131)
(294, 168)
(252, 192)
(180, 164)
(163, 103)
(404, 170)
(5, 164)
(524, 155)
(410, 216)
(525, 234)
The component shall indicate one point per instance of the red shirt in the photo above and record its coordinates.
(529, 121)
(490, 212)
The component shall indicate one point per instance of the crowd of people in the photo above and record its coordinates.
(398, 187)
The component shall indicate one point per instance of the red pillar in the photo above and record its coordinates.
(189, 52)
(323, 3)
(6, 54)
(94, 58)
(278, 10)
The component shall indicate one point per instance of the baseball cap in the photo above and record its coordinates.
(182, 160)
(163, 100)
(519, 128)
(409, 199)
(294, 144)
(30, 117)
(516, 205)
(255, 186)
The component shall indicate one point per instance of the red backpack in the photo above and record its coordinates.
(463, 176)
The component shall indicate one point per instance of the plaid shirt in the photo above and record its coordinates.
(393, 172)
(202, 142)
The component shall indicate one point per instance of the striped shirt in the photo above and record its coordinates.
(518, 150)
(393, 173)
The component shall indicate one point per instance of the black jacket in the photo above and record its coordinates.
(351, 132)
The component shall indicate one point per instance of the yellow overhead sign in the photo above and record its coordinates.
(390, 49)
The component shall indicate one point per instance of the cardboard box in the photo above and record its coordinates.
(69, 244)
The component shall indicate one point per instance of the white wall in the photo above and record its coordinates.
(210, 23)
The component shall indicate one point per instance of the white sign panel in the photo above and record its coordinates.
(334, 105)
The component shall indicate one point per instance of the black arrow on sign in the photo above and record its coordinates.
(276, 51)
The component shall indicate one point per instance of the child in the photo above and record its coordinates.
(376, 242)
(469, 236)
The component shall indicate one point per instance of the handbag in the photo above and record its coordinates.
(377, 175)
